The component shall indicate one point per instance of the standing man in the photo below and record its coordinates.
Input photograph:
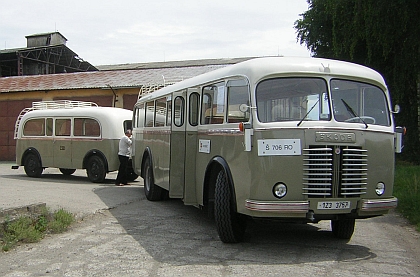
(124, 153)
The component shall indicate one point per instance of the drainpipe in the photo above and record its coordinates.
(115, 95)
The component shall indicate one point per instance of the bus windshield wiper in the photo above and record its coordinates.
(353, 113)
(310, 110)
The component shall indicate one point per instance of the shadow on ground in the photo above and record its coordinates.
(183, 235)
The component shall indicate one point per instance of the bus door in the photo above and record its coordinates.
(184, 145)
(177, 145)
(62, 143)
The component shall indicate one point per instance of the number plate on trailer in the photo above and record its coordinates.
(333, 205)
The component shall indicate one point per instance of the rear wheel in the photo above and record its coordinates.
(96, 169)
(32, 166)
(343, 228)
(152, 192)
(67, 171)
(230, 225)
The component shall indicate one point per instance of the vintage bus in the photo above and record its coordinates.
(70, 135)
(302, 139)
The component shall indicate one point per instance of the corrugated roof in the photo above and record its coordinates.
(101, 79)
(172, 64)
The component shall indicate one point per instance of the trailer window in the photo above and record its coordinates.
(34, 127)
(86, 127)
(62, 127)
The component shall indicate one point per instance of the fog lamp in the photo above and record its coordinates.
(380, 188)
(279, 190)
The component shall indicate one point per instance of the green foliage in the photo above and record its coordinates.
(407, 190)
(382, 35)
(29, 229)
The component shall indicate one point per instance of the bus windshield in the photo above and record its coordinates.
(287, 99)
(359, 102)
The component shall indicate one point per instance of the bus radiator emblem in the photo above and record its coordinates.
(335, 137)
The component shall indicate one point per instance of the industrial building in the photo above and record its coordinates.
(48, 70)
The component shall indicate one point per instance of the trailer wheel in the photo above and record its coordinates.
(96, 169)
(32, 166)
(67, 171)
(343, 228)
(230, 225)
(152, 191)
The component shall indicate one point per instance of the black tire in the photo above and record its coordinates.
(32, 165)
(230, 225)
(67, 171)
(152, 192)
(96, 169)
(343, 228)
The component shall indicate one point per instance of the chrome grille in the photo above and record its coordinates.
(334, 171)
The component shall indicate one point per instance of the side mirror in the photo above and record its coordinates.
(397, 109)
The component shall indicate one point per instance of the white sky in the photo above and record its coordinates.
(134, 31)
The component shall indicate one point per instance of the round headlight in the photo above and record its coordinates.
(279, 190)
(380, 188)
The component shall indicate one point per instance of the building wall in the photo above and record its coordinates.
(11, 104)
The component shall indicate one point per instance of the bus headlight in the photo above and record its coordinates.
(380, 188)
(279, 190)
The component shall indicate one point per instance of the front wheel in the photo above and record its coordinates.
(152, 192)
(343, 228)
(230, 225)
(32, 166)
(96, 169)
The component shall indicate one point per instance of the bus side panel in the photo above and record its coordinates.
(109, 147)
(190, 194)
(177, 160)
(161, 159)
(42, 145)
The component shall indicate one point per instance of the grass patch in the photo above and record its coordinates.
(407, 190)
(28, 229)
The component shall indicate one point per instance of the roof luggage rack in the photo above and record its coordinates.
(47, 105)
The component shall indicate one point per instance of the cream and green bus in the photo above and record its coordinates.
(302, 139)
(70, 135)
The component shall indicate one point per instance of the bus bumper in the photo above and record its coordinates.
(279, 207)
(364, 207)
(368, 205)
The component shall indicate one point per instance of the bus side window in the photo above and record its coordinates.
(213, 105)
(34, 127)
(139, 116)
(169, 112)
(86, 127)
(160, 112)
(179, 111)
(49, 130)
(238, 94)
(193, 109)
(62, 127)
(150, 113)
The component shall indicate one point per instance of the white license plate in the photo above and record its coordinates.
(333, 205)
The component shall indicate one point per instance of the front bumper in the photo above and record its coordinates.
(289, 208)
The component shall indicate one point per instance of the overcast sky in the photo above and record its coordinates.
(134, 31)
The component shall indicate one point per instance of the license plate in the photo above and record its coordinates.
(333, 205)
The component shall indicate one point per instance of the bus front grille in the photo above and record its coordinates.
(334, 171)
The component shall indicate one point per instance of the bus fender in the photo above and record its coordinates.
(30, 150)
(216, 164)
(147, 153)
(96, 152)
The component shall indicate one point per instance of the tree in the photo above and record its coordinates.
(383, 35)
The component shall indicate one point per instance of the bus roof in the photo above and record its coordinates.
(258, 68)
(102, 113)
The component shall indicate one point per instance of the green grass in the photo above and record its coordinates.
(29, 229)
(407, 190)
